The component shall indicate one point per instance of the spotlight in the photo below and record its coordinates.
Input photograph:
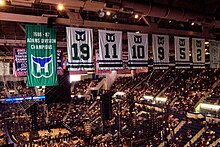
(108, 13)
(136, 16)
(101, 13)
(182, 25)
(206, 43)
(114, 16)
(2, 3)
(60, 7)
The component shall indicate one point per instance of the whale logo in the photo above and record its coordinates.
(42, 66)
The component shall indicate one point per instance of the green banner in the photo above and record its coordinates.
(42, 55)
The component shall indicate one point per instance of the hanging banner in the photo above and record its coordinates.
(4, 69)
(160, 47)
(182, 52)
(98, 71)
(198, 52)
(41, 55)
(20, 62)
(110, 50)
(214, 48)
(137, 50)
(80, 49)
(60, 71)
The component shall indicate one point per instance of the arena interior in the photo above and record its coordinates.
(141, 98)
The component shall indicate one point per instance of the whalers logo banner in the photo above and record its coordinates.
(214, 48)
(42, 55)
(137, 50)
(182, 52)
(160, 46)
(110, 50)
(80, 49)
(198, 52)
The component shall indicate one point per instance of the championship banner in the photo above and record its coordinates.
(110, 50)
(160, 47)
(80, 49)
(41, 55)
(198, 52)
(60, 71)
(20, 62)
(182, 52)
(4, 69)
(137, 50)
(214, 48)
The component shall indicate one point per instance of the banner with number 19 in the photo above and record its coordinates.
(80, 49)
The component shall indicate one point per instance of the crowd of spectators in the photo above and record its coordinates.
(2, 90)
(95, 82)
(80, 87)
(209, 136)
(19, 89)
(131, 123)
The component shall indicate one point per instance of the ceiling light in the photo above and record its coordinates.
(114, 16)
(108, 13)
(101, 13)
(182, 25)
(136, 16)
(170, 21)
(137, 32)
(206, 43)
(192, 24)
(2, 3)
(60, 7)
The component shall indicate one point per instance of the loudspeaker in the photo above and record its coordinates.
(50, 21)
(60, 93)
(34, 122)
(94, 93)
(106, 107)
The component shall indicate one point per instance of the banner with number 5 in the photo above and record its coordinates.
(182, 52)
(198, 53)
(110, 50)
(80, 49)
(137, 50)
(160, 47)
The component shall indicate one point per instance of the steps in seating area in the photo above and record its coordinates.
(68, 127)
(210, 137)
(182, 136)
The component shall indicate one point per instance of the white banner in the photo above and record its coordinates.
(80, 49)
(198, 52)
(110, 50)
(182, 52)
(4, 69)
(214, 48)
(137, 50)
(160, 47)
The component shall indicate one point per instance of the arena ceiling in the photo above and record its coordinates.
(173, 17)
